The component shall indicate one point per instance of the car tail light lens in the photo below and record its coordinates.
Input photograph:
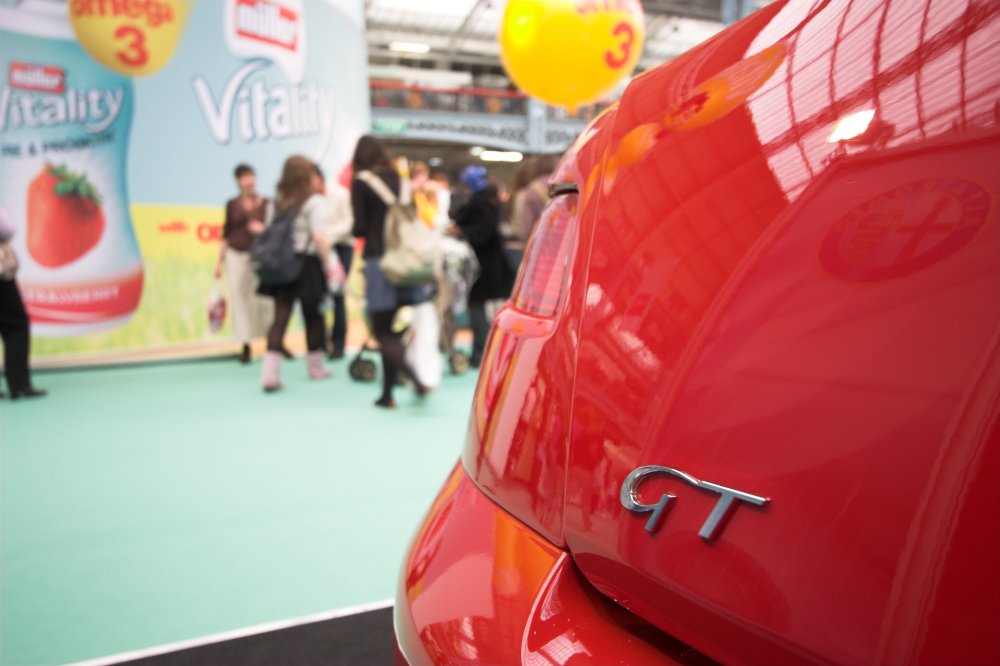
(517, 436)
(543, 276)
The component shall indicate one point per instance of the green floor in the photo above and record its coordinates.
(146, 505)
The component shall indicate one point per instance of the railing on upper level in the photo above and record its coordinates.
(398, 95)
(498, 118)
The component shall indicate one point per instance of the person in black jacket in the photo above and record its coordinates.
(16, 332)
(383, 299)
(479, 222)
(15, 327)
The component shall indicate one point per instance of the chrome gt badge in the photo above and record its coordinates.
(715, 522)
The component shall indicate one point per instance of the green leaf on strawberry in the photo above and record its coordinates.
(74, 184)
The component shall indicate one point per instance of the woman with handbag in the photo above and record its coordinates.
(299, 194)
(15, 328)
(383, 299)
(243, 224)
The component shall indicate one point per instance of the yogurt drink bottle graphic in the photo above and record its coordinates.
(64, 133)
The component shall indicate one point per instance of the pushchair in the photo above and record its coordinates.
(361, 368)
(458, 271)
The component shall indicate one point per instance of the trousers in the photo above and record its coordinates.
(15, 330)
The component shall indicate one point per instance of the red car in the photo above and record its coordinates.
(743, 405)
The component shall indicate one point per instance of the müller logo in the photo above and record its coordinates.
(274, 30)
(267, 22)
(37, 78)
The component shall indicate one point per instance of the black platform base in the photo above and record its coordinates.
(355, 640)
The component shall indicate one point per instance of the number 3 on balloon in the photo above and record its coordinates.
(626, 33)
(134, 54)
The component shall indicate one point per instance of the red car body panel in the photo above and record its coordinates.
(769, 301)
(519, 426)
(501, 594)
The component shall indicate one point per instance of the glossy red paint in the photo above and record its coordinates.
(519, 428)
(503, 595)
(769, 307)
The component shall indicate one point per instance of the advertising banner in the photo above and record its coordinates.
(121, 122)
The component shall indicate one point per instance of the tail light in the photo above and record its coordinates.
(516, 448)
(518, 432)
(542, 282)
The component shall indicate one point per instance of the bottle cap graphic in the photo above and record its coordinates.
(131, 38)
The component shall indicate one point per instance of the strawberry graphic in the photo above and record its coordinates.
(65, 219)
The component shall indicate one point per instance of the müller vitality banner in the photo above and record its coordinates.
(120, 125)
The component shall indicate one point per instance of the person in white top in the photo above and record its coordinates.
(439, 181)
(300, 188)
(339, 221)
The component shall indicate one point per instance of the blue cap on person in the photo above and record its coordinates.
(475, 177)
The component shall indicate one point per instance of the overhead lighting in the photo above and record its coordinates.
(476, 151)
(501, 156)
(409, 47)
(852, 126)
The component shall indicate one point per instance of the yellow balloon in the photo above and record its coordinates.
(131, 37)
(570, 52)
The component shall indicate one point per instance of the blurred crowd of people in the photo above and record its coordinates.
(338, 221)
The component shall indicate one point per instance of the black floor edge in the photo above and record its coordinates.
(357, 640)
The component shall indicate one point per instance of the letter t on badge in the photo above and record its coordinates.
(723, 507)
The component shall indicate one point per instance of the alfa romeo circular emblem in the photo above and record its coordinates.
(905, 229)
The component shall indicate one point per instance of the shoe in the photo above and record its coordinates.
(287, 354)
(270, 377)
(245, 355)
(29, 392)
(336, 355)
(315, 367)
(385, 403)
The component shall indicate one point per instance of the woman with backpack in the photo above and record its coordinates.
(299, 197)
(383, 299)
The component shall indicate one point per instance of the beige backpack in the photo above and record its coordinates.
(411, 247)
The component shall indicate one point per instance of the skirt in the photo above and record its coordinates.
(383, 296)
(249, 310)
(311, 285)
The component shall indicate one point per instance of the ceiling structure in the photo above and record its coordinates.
(462, 34)
(464, 51)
